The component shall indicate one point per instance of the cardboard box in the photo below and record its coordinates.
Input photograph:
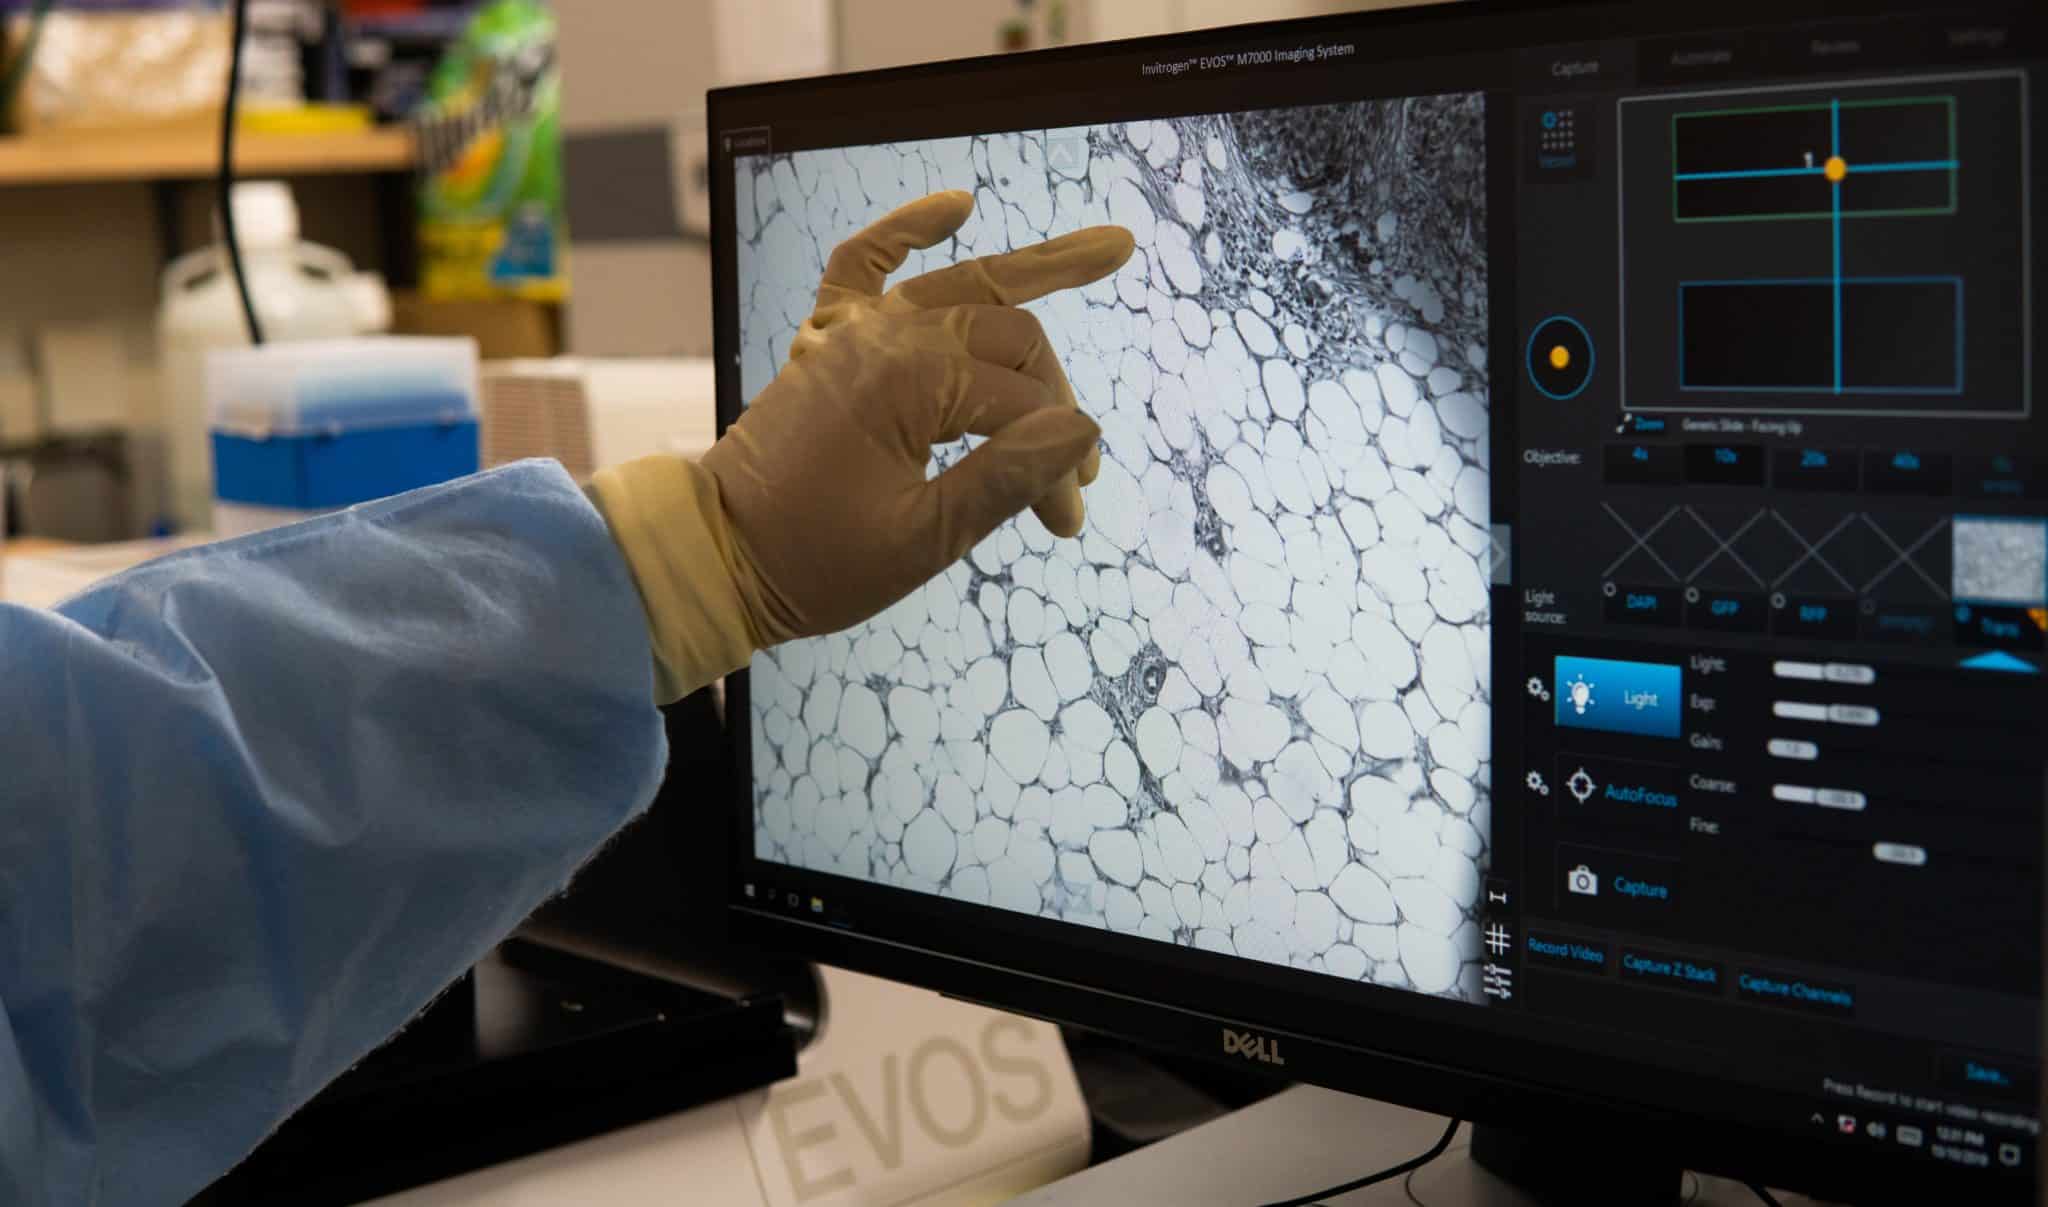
(504, 329)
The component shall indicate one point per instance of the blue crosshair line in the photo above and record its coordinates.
(1834, 152)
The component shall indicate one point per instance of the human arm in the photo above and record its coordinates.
(261, 801)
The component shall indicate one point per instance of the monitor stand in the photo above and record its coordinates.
(1563, 1169)
(1305, 1138)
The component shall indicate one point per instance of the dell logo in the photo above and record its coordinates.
(1252, 1047)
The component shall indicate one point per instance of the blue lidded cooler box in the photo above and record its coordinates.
(300, 429)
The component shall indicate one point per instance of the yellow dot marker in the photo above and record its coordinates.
(1560, 358)
(1837, 168)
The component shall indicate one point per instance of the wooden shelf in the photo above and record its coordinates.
(186, 155)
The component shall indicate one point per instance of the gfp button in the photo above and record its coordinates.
(1560, 357)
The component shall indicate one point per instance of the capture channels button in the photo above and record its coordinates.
(1641, 698)
(1643, 967)
(1813, 469)
(1906, 471)
(1574, 955)
(1643, 605)
(1768, 988)
(1725, 611)
(1824, 617)
(1722, 464)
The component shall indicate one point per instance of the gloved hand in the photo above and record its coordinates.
(813, 511)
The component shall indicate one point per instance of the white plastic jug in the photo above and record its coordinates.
(300, 291)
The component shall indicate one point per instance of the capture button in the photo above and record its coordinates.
(1641, 698)
(1616, 886)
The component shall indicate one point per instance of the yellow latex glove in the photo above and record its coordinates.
(813, 513)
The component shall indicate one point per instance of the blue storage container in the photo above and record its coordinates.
(304, 428)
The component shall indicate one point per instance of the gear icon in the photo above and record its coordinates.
(1536, 784)
(1581, 785)
(1536, 687)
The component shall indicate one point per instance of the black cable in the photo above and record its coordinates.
(1764, 1196)
(226, 182)
(1393, 1171)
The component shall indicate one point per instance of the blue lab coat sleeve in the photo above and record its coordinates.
(261, 801)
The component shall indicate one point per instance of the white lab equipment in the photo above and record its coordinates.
(299, 429)
(591, 412)
(300, 291)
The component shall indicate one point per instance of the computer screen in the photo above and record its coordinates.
(1566, 592)
(1248, 709)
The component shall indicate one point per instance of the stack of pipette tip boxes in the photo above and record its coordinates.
(306, 428)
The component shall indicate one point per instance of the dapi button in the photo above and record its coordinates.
(1640, 698)
(1643, 605)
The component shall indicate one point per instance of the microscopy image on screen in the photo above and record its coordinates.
(1247, 711)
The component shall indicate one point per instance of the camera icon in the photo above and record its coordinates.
(1583, 881)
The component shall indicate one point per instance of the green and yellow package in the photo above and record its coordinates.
(490, 145)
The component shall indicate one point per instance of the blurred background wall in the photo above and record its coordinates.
(103, 187)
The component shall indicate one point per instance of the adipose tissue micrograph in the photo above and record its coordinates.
(1247, 711)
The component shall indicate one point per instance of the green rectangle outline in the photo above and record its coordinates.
(1801, 216)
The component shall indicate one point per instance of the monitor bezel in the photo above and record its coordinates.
(1096, 980)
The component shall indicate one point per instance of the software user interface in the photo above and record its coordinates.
(1645, 632)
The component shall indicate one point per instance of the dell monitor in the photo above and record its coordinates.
(1559, 629)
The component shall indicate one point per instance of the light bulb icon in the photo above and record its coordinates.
(1580, 693)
